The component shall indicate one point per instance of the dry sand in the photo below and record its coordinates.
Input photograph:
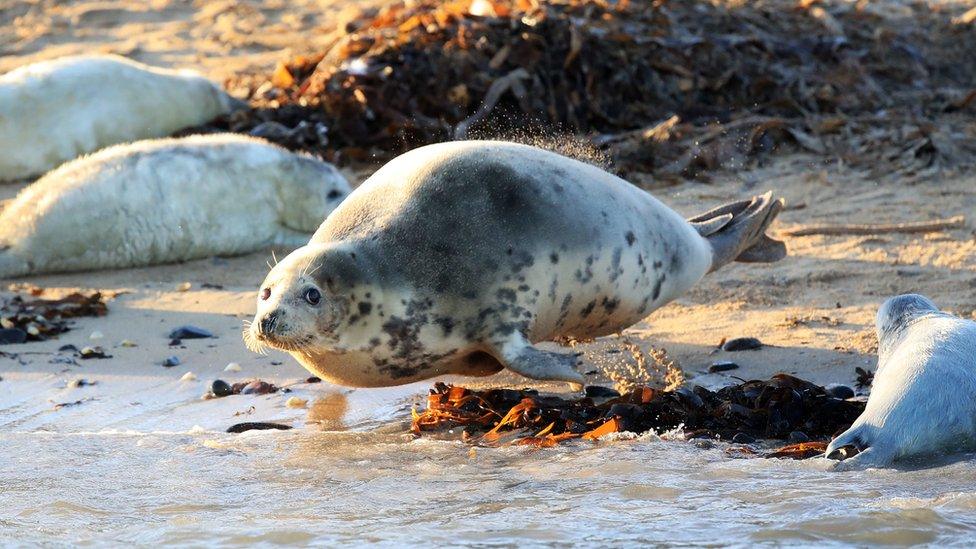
(814, 310)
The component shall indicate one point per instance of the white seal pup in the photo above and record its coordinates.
(166, 200)
(457, 257)
(54, 111)
(923, 398)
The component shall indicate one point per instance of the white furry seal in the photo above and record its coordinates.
(54, 111)
(166, 200)
(456, 257)
(923, 398)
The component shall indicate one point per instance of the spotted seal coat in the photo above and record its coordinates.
(54, 111)
(923, 398)
(457, 257)
(166, 200)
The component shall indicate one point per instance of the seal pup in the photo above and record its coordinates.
(457, 257)
(166, 200)
(923, 398)
(54, 111)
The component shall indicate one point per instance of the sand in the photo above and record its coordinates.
(814, 310)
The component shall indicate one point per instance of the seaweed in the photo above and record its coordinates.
(672, 88)
(33, 318)
(772, 409)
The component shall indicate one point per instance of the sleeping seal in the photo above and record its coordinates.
(457, 257)
(54, 111)
(166, 200)
(923, 399)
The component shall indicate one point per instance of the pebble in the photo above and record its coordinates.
(842, 392)
(33, 330)
(232, 367)
(596, 391)
(743, 438)
(6, 323)
(722, 366)
(257, 388)
(12, 335)
(742, 344)
(69, 348)
(189, 332)
(183, 287)
(797, 437)
(93, 352)
(127, 343)
(189, 376)
(295, 402)
(171, 361)
(96, 335)
(313, 379)
(80, 382)
(221, 388)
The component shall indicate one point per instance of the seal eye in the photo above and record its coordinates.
(265, 294)
(312, 296)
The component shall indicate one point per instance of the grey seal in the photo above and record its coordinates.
(458, 257)
(923, 398)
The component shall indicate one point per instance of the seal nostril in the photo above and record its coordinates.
(269, 322)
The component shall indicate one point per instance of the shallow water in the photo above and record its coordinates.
(302, 486)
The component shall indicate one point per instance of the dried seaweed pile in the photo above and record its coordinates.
(38, 319)
(774, 409)
(670, 87)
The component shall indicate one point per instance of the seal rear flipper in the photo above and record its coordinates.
(518, 355)
(742, 237)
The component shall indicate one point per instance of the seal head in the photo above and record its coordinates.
(896, 314)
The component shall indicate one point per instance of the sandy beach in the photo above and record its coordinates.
(814, 311)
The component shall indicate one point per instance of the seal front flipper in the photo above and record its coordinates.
(290, 238)
(518, 355)
(737, 231)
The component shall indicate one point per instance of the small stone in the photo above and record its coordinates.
(189, 332)
(175, 342)
(189, 376)
(6, 323)
(295, 402)
(127, 343)
(704, 443)
(12, 335)
(797, 437)
(221, 388)
(842, 392)
(171, 361)
(96, 335)
(258, 387)
(596, 391)
(183, 287)
(69, 348)
(742, 344)
(93, 352)
(80, 382)
(743, 438)
(276, 363)
(313, 379)
(232, 367)
(33, 330)
(722, 366)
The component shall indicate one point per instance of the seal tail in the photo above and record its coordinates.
(737, 231)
